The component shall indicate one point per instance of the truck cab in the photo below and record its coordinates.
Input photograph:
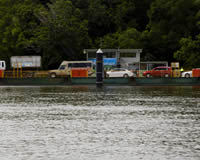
(60, 72)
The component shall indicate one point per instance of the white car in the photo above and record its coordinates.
(119, 72)
(187, 74)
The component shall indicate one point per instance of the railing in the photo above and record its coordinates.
(25, 74)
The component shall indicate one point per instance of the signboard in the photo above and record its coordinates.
(27, 64)
(26, 61)
(175, 64)
(106, 61)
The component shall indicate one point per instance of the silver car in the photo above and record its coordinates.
(119, 72)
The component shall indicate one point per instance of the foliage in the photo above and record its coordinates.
(63, 32)
(129, 38)
(60, 29)
(17, 27)
(189, 52)
(169, 22)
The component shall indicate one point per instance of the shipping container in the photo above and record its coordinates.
(2, 68)
(196, 72)
(1, 73)
(78, 72)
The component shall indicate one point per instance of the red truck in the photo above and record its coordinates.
(160, 71)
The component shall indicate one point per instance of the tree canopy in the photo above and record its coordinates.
(60, 29)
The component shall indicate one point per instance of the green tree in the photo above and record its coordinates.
(63, 33)
(60, 29)
(99, 20)
(189, 53)
(122, 13)
(169, 22)
(17, 27)
(140, 13)
(129, 38)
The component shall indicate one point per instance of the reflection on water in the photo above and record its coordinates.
(82, 122)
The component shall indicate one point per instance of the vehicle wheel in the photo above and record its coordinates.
(166, 75)
(148, 75)
(125, 76)
(53, 75)
(107, 75)
(30, 75)
(187, 75)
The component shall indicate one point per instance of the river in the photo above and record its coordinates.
(112, 123)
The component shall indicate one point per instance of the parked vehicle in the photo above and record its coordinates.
(2, 65)
(119, 72)
(187, 74)
(160, 71)
(66, 66)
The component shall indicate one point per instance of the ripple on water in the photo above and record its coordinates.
(113, 123)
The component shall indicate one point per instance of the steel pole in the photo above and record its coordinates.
(99, 68)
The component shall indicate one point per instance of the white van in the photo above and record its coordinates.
(66, 66)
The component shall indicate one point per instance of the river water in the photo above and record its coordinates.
(112, 123)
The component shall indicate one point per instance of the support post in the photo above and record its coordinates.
(99, 68)
(21, 71)
(118, 58)
(14, 70)
(17, 70)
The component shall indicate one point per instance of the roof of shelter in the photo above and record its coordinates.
(153, 62)
(114, 50)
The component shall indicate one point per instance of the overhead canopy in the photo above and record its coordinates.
(113, 50)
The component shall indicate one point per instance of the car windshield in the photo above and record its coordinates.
(118, 69)
(160, 68)
(62, 67)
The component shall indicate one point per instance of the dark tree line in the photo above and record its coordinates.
(60, 29)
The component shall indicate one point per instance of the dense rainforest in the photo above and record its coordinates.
(59, 30)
